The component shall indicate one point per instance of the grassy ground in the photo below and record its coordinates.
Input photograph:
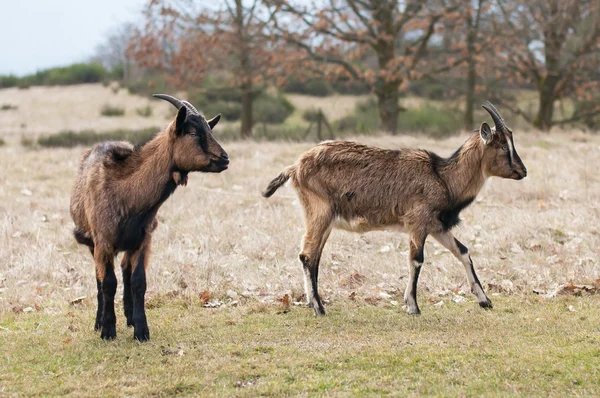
(219, 235)
(526, 346)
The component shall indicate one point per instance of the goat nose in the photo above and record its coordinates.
(224, 155)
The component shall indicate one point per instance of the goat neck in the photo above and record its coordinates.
(462, 172)
(150, 181)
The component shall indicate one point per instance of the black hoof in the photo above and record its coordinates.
(108, 332)
(486, 304)
(141, 333)
(129, 322)
(97, 327)
(319, 312)
(141, 336)
(317, 307)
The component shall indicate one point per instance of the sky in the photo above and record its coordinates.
(38, 34)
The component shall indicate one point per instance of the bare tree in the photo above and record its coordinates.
(553, 45)
(382, 43)
(187, 39)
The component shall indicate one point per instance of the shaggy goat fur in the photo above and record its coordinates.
(117, 193)
(360, 188)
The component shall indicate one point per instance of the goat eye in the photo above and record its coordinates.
(193, 133)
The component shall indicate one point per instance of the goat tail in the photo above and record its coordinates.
(279, 181)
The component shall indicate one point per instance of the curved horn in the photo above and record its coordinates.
(498, 121)
(494, 109)
(191, 107)
(178, 103)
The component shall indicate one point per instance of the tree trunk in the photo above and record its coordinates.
(247, 120)
(471, 72)
(386, 90)
(387, 104)
(245, 72)
(470, 99)
(547, 97)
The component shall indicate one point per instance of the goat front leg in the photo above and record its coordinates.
(107, 279)
(127, 298)
(415, 261)
(461, 252)
(139, 261)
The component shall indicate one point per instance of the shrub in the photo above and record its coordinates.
(316, 87)
(231, 111)
(271, 109)
(75, 74)
(587, 108)
(8, 81)
(145, 111)
(148, 85)
(65, 75)
(427, 119)
(311, 115)
(27, 142)
(8, 107)
(351, 87)
(364, 120)
(436, 122)
(112, 111)
(267, 133)
(69, 139)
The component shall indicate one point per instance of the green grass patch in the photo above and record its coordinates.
(145, 111)
(526, 346)
(69, 139)
(112, 111)
(8, 107)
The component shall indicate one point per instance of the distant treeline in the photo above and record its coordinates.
(66, 75)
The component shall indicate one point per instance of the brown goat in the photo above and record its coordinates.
(361, 188)
(117, 193)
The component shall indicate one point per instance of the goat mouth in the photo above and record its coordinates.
(518, 176)
(217, 166)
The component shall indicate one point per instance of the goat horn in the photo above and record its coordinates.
(191, 107)
(177, 103)
(498, 121)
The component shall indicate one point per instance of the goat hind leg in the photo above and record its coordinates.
(139, 261)
(461, 252)
(415, 261)
(127, 298)
(318, 228)
(105, 274)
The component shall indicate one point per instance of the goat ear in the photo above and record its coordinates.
(486, 133)
(213, 122)
(181, 115)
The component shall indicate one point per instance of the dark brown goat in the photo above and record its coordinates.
(360, 188)
(117, 193)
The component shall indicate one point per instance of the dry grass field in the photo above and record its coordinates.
(218, 235)
(48, 110)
